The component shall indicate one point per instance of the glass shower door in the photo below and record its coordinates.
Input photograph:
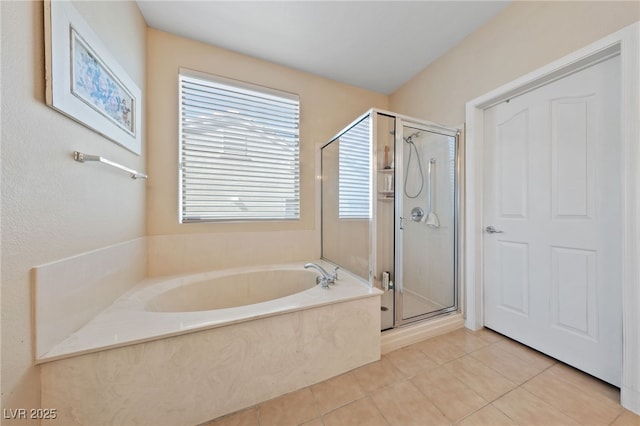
(426, 229)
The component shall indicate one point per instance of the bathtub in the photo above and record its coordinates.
(232, 289)
(190, 348)
(162, 307)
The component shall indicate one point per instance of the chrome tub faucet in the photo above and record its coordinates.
(326, 278)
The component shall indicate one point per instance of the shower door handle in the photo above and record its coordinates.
(492, 230)
(403, 222)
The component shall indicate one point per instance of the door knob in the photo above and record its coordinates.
(491, 230)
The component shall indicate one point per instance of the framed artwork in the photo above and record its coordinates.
(85, 82)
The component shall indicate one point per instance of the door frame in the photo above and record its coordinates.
(625, 43)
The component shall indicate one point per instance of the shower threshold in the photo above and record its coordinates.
(399, 337)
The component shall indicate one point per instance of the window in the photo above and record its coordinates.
(239, 151)
(354, 172)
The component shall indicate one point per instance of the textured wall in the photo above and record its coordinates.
(525, 36)
(53, 207)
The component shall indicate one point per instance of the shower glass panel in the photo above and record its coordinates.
(426, 229)
(346, 198)
(390, 212)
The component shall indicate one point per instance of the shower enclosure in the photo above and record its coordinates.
(390, 212)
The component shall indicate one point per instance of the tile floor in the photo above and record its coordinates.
(462, 378)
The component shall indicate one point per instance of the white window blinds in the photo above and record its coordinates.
(354, 172)
(239, 151)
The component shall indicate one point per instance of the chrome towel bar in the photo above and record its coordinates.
(81, 157)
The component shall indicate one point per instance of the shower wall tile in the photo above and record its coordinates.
(69, 292)
(195, 377)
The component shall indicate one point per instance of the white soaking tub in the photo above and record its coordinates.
(186, 349)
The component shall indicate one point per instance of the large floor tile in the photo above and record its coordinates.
(402, 404)
(506, 363)
(247, 417)
(585, 381)
(362, 412)
(455, 399)
(440, 349)
(527, 354)
(580, 403)
(488, 335)
(314, 422)
(411, 361)
(627, 418)
(336, 392)
(466, 340)
(377, 374)
(290, 409)
(527, 409)
(487, 416)
(485, 381)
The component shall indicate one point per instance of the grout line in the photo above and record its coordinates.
(472, 413)
(344, 405)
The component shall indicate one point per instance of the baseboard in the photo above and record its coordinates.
(630, 399)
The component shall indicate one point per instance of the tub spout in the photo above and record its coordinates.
(326, 278)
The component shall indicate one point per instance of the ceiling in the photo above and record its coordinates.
(376, 45)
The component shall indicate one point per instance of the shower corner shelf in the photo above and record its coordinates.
(388, 174)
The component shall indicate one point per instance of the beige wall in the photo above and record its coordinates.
(325, 108)
(53, 207)
(525, 36)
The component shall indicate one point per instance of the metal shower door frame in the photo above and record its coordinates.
(401, 123)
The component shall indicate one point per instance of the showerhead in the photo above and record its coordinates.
(409, 139)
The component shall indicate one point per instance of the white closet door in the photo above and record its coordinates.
(552, 185)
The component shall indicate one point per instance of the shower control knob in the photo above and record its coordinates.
(417, 214)
(491, 230)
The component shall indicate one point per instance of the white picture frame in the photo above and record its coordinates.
(85, 82)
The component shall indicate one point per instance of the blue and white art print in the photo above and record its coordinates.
(96, 85)
(85, 82)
